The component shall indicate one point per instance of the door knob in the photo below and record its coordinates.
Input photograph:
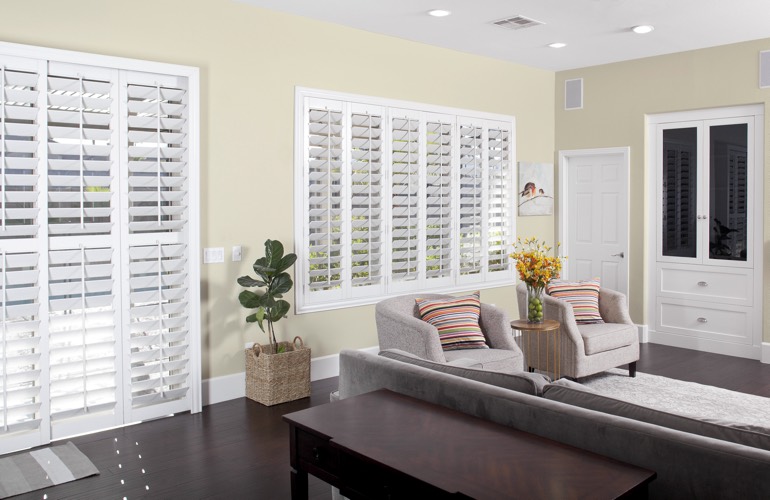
(621, 255)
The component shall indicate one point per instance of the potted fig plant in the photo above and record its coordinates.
(279, 372)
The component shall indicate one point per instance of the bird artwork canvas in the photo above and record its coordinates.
(535, 196)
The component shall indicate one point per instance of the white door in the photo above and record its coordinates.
(594, 215)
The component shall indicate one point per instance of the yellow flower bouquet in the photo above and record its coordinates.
(536, 269)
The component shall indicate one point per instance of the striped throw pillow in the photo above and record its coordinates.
(584, 297)
(457, 321)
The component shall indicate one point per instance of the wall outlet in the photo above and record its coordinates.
(213, 255)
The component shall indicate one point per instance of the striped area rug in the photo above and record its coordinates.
(33, 470)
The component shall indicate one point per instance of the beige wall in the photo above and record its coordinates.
(250, 61)
(616, 99)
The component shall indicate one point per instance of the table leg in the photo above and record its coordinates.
(299, 485)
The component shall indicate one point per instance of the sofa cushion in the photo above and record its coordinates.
(579, 395)
(582, 295)
(527, 383)
(607, 336)
(456, 319)
(496, 360)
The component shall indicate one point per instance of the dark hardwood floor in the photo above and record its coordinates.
(240, 449)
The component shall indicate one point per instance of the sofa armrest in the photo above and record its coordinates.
(398, 331)
(496, 326)
(613, 307)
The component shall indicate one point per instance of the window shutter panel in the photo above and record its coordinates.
(500, 199)
(19, 139)
(405, 197)
(157, 157)
(439, 240)
(471, 198)
(80, 150)
(366, 198)
(325, 129)
(20, 382)
(157, 288)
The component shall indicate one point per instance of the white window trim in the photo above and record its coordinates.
(459, 284)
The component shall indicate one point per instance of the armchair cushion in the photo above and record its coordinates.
(584, 297)
(456, 319)
(607, 336)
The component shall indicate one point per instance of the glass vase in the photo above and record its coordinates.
(535, 304)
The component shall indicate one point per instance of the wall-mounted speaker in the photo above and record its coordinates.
(764, 69)
(573, 94)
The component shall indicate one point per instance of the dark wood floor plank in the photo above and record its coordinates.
(240, 449)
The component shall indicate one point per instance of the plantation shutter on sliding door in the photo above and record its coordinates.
(83, 295)
(157, 272)
(21, 339)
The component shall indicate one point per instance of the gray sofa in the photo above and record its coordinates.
(689, 464)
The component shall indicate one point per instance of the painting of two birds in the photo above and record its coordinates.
(536, 184)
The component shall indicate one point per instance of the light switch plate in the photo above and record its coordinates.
(237, 253)
(213, 255)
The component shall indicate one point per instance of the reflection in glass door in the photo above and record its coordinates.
(728, 192)
(680, 193)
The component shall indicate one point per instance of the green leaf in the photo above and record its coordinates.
(286, 262)
(281, 284)
(281, 348)
(248, 281)
(263, 269)
(260, 315)
(273, 253)
(249, 299)
(279, 311)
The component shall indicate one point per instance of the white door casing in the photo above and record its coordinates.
(593, 215)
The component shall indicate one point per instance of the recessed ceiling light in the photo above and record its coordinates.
(439, 13)
(557, 45)
(642, 29)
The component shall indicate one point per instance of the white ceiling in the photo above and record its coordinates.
(595, 31)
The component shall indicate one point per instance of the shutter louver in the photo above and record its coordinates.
(20, 369)
(438, 225)
(405, 198)
(80, 154)
(159, 328)
(500, 192)
(325, 201)
(157, 158)
(366, 198)
(471, 199)
(19, 138)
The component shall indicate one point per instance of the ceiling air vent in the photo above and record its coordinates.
(516, 23)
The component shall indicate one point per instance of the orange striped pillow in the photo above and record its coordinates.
(583, 295)
(456, 319)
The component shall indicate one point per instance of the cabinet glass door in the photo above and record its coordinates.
(728, 192)
(679, 233)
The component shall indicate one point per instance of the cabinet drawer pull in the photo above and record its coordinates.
(702, 320)
(703, 283)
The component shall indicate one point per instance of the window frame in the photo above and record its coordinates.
(343, 297)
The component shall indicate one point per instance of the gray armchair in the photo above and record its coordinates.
(586, 349)
(399, 327)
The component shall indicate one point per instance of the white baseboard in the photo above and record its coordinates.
(765, 352)
(233, 386)
(644, 333)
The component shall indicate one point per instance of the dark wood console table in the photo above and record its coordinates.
(386, 445)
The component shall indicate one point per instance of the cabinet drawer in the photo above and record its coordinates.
(703, 320)
(316, 453)
(726, 286)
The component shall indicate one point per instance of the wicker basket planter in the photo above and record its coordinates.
(273, 378)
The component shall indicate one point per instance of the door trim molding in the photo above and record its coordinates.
(565, 157)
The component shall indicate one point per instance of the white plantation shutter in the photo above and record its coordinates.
(324, 136)
(159, 330)
(20, 346)
(19, 144)
(471, 194)
(500, 195)
(98, 320)
(397, 197)
(406, 217)
(439, 221)
(366, 199)
(157, 287)
(83, 340)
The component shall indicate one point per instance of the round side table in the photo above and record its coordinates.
(550, 329)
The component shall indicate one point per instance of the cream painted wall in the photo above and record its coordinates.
(616, 99)
(250, 61)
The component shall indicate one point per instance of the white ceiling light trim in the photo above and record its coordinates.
(439, 12)
(643, 29)
(557, 45)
